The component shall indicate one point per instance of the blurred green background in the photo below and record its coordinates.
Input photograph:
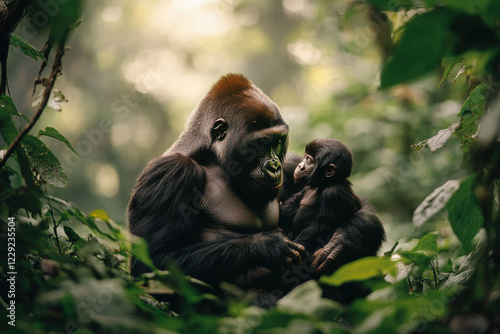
(136, 70)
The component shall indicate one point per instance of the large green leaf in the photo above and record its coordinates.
(427, 243)
(44, 162)
(423, 43)
(310, 294)
(473, 108)
(465, 215)
(9, 133)
(51, 132)
(423, 252)
(360, 270)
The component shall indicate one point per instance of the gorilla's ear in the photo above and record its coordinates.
(330, 171)
(219, 129)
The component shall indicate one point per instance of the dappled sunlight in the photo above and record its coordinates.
(104, 179)
(137, 69)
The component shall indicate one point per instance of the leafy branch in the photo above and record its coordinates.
(48, 84)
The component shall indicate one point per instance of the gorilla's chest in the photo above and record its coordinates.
(226, 211)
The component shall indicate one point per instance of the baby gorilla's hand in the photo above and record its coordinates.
(327, 259)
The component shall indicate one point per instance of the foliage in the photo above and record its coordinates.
(71, 267)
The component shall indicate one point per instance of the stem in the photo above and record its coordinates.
(435, 274)
(48, 84)
(54, 228)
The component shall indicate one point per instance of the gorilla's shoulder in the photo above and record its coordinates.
(167, 181)
(174, 167)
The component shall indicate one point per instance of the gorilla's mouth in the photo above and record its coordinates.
(269, 180)
(268, 185)
(299, 176)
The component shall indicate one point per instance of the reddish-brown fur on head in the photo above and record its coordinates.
(235, 100)
(230, 84)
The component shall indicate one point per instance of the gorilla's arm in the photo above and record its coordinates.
(231, 255)
(361, 236)
(175, 184)
(167, 184)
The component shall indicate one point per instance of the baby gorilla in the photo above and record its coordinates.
(325, 215)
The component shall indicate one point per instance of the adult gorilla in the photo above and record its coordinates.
(209, 203)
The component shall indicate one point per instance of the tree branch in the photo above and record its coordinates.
(10, 15)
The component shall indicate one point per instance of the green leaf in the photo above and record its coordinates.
(90, 222)
(7, 110)
(360, 270)
(419, 258)
(450, 62)
(448, 266)
(51, 132)
(24, 164)
(464, 213)
(423, 252)
(25, 197)
(112, 226)
(5, 185)
(428, 243)
(472, 7)
(26, 48)
(424, 42)
(72, 236)
(139, 250)
(43, 162)
(100, 214)
(473, 108)
(310, 294)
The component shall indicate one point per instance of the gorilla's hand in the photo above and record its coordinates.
(293, 255)
(329, 258)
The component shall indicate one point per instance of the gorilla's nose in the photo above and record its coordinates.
(273, 165)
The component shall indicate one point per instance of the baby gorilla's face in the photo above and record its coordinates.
(304, 169)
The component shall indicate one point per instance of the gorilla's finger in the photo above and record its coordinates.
(319, 257)
(330, 264)
(297, 259)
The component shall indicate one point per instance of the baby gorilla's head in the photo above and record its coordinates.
(326, 161)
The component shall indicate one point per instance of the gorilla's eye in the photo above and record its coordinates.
(278, 145)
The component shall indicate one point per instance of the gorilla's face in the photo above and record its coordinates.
(266, 169)
(304, 169)
(251, 143)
